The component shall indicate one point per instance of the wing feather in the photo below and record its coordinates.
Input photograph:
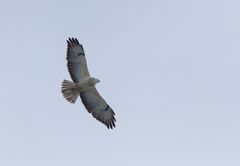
(76, 61)
(96, 105)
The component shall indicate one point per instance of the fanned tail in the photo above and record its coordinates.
(68, 91)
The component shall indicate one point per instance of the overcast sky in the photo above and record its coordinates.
(169, 69)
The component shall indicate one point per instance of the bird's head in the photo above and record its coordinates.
(93, 81)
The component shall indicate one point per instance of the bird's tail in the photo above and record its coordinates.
(69, 92)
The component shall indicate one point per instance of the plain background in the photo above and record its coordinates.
(169, 69)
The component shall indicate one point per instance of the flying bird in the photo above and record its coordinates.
(83, 85)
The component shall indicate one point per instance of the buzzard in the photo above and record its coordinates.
(83, 85)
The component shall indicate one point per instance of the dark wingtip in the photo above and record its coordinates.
(110, 124)
(72, 40)
(114, 120)
(113, 124)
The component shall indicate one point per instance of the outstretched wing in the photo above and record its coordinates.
(96, 105)
(76, 61)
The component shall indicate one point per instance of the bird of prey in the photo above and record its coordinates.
(83, 85)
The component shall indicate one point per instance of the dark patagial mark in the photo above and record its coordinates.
(81, 53)
(106, 108)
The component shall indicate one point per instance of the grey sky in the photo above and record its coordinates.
(169, 69)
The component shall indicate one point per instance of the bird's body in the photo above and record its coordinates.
(72, 90)
(83, 85)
